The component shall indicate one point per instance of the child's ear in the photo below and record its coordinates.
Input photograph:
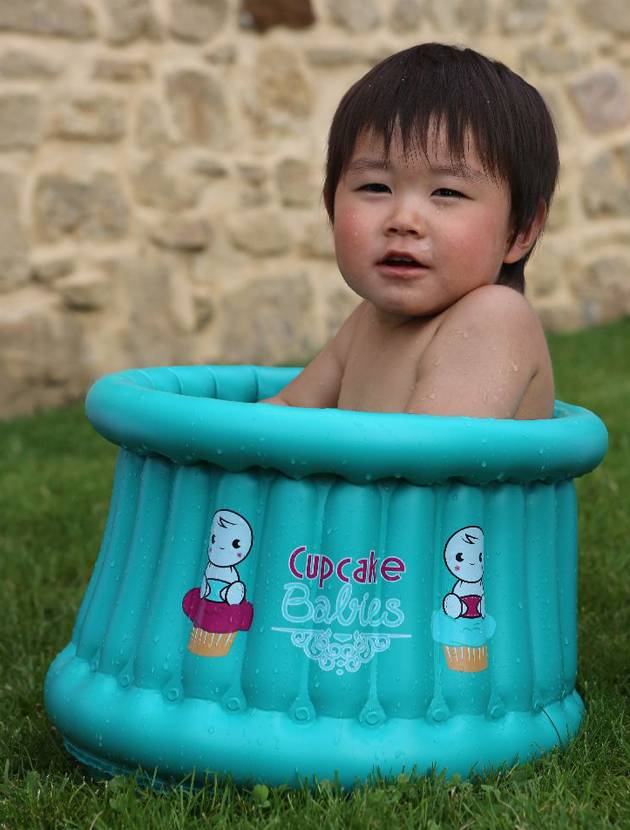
(526, 239)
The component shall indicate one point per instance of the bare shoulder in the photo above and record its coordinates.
(499, 304)
(495, 316)
(488, 357)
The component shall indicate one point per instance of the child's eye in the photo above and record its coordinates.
(375, 187)
(448, 192)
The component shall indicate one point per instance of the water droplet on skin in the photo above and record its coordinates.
(514, 367)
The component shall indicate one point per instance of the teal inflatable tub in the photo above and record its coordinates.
(287, 593)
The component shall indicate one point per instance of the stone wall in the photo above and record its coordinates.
(161, 165)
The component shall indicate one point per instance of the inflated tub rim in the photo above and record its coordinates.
(193, 414)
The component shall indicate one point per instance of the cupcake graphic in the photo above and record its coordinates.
(219, 609)
(462, 625)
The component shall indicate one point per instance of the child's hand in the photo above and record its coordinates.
(276, 400)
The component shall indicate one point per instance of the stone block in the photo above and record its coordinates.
(559, 313)
(122, 71)
(260, 233)
(48, 271)
(261, 15)
(129, 20)
(295, 184)
(63, 18)
(552, 59)
(341, 303)
(519, 16)
(406, 16)
(88, 117)
(255, 191)
(605, 186)
(150, 129)
(150, 335)
(605, 291)
(20, 121)
(355, 16)
(316, 241)
(470, 16)
(85, 291)
(268, 321)
(14, 266)
(203, 306)
(280, 94)
(211, 168)
(613, 15)
(197, 20)
(224, 55)
(547, 271)
(21, 65)
(156, 185)
(94, 210)
(40, 352)
(199, 110)
(180, 234)
(330, 57)
(601, 98)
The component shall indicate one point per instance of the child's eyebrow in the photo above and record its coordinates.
(462, 171)
(361, 164)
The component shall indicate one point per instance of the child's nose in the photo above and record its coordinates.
(405, 219)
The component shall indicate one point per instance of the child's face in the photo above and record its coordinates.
(454, 223)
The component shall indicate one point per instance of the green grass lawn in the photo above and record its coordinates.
(55, 485)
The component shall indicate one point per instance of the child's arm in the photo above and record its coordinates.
(318, 384)
(488, 348)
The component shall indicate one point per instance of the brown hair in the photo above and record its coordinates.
(434, 85)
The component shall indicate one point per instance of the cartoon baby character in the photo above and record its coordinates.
(231, 540)
(463, 555)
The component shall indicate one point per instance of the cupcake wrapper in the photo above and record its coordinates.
(466, 659)
(209, 643)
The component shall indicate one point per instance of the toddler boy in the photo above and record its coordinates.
(440, 172)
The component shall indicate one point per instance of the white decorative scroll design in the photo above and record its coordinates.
(341, 652)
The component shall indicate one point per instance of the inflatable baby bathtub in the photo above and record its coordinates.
(286, 594)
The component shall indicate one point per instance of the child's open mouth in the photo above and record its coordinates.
(400, 265)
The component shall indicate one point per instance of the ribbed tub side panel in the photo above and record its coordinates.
(509, 663)
(460, 506)
(162, 639)
(215, 678)
(136, 580)
(542, 593)
(275, 671)
(567, 544)
(105, 546)
(405, 676)
(351, 527)
(99, 602)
